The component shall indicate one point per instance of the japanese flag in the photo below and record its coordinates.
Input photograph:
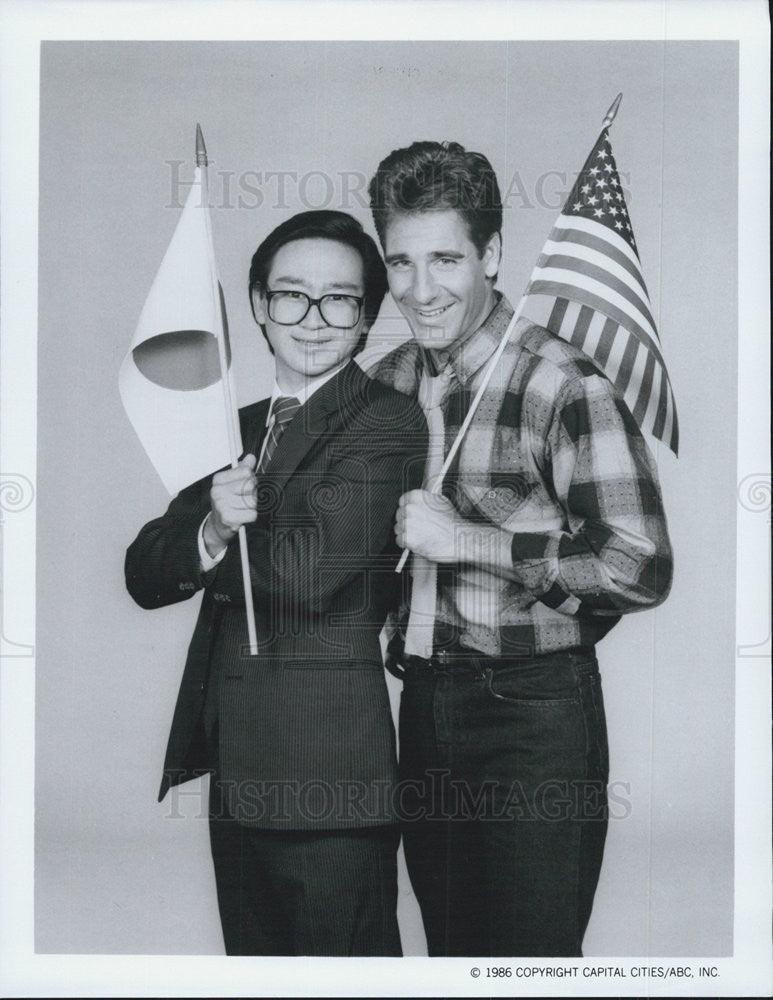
(170, 380)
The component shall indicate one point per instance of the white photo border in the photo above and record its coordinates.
(23, 26)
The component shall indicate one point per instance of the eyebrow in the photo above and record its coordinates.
(346, 286)
(435, 254)
(343, 286)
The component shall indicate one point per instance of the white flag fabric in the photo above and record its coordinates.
(170, 380)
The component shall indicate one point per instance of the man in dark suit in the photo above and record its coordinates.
(298, 739)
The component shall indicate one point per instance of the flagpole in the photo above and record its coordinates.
(232, 417)
(609, 117)
(438, 485)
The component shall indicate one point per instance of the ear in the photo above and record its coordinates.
(492, 255)
(258, 301)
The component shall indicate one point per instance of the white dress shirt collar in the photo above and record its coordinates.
(303, 395)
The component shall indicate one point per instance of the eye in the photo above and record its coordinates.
(446, 261)
(398, 264)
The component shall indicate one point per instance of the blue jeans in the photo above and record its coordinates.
(504, 766)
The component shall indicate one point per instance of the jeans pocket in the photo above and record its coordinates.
(553, 720)
(534, 685)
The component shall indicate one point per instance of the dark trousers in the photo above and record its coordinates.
(504, 767)
(292, 892)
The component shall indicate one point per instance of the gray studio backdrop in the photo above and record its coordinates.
(303, 125)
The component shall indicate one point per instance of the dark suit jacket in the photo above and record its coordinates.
(305, 733)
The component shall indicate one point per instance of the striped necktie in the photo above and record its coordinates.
(419, 634)
(283, 411)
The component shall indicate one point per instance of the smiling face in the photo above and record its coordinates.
(310, 348)
(441, 284)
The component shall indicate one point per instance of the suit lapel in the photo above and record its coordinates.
(253, 426)
(325, 410)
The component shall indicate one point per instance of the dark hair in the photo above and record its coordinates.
(328, 225)
(432, 176)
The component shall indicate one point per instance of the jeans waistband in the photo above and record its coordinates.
(470, 660)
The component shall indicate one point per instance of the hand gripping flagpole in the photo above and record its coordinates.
(608, 119)
(232, 416)
(470, 414)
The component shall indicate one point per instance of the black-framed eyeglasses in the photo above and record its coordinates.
(290, 307)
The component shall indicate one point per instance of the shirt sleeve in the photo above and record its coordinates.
(208, 562)
(613, 554)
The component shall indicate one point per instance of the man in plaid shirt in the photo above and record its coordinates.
(550, 526)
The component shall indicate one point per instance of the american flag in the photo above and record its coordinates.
(587, 287)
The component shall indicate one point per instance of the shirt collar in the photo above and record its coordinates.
(475, 350)
(303, 395)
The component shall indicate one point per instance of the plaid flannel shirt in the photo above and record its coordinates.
(555, 457)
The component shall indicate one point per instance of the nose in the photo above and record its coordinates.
(423, 288)
(313, 319)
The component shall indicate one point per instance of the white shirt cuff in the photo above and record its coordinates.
(207, 561)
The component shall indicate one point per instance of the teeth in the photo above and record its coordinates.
(435, 312)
